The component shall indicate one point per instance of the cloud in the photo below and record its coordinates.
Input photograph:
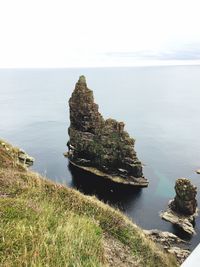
(64, 33)
(187, 52)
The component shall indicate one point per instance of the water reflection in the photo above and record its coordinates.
(128, 199)
(114, 194)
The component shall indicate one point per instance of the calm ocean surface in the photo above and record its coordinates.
(161, 109)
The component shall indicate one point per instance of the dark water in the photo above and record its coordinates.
(161, 109)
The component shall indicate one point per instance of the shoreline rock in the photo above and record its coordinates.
(19, 156)
(184, 222)
(100, 146)
(25, 158)
(169, 242)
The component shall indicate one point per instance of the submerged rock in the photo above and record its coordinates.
(101, 146)
(170, 242)
(183, 209)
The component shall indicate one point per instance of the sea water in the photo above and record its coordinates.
(161, 110)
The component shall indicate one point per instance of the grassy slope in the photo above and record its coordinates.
(46, 224)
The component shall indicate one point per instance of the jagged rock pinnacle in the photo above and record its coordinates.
(82, 79)
(98, 143)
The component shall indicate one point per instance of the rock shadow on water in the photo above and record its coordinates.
(118, 195)
(175, 229)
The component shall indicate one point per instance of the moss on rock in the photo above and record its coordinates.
(99, 143)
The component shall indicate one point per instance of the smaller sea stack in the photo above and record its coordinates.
(183, 208)
(100, 146)
(185, 200)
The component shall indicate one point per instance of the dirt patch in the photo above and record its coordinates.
(118, 254)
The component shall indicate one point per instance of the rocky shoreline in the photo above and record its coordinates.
(186, 223)
(170, 243)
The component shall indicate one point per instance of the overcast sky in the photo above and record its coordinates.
(73, 33)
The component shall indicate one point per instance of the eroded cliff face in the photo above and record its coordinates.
(99, 143)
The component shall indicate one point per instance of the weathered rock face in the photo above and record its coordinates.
(25, 158)
(98, 143)
(185, 200)
(170, 242)
(183, 208)
(84, 114)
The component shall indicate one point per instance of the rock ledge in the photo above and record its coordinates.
(170, 242)
(182, 210)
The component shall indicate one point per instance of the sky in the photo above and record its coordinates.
(97, 33)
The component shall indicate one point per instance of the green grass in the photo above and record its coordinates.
(46, 224)
(44, 235)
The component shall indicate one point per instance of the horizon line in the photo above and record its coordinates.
(148, 63)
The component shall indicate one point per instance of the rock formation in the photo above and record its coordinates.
(16, 155)
(198, 171)
(170, 242)
(183, 209)
(185, 200)
(25, 158)
(101, 146)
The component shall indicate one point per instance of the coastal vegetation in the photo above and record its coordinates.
(46, 224)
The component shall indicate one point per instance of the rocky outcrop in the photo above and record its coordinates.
(170, 242)
(101, 146)
(185, 200)
(13, 156)
(198, 171)
(184, 222)
(183, 209)
(25, 158)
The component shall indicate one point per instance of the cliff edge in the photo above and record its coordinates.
(46, 224)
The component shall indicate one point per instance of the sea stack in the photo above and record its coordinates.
(185, 200)
(183, 208)
(99, 146)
